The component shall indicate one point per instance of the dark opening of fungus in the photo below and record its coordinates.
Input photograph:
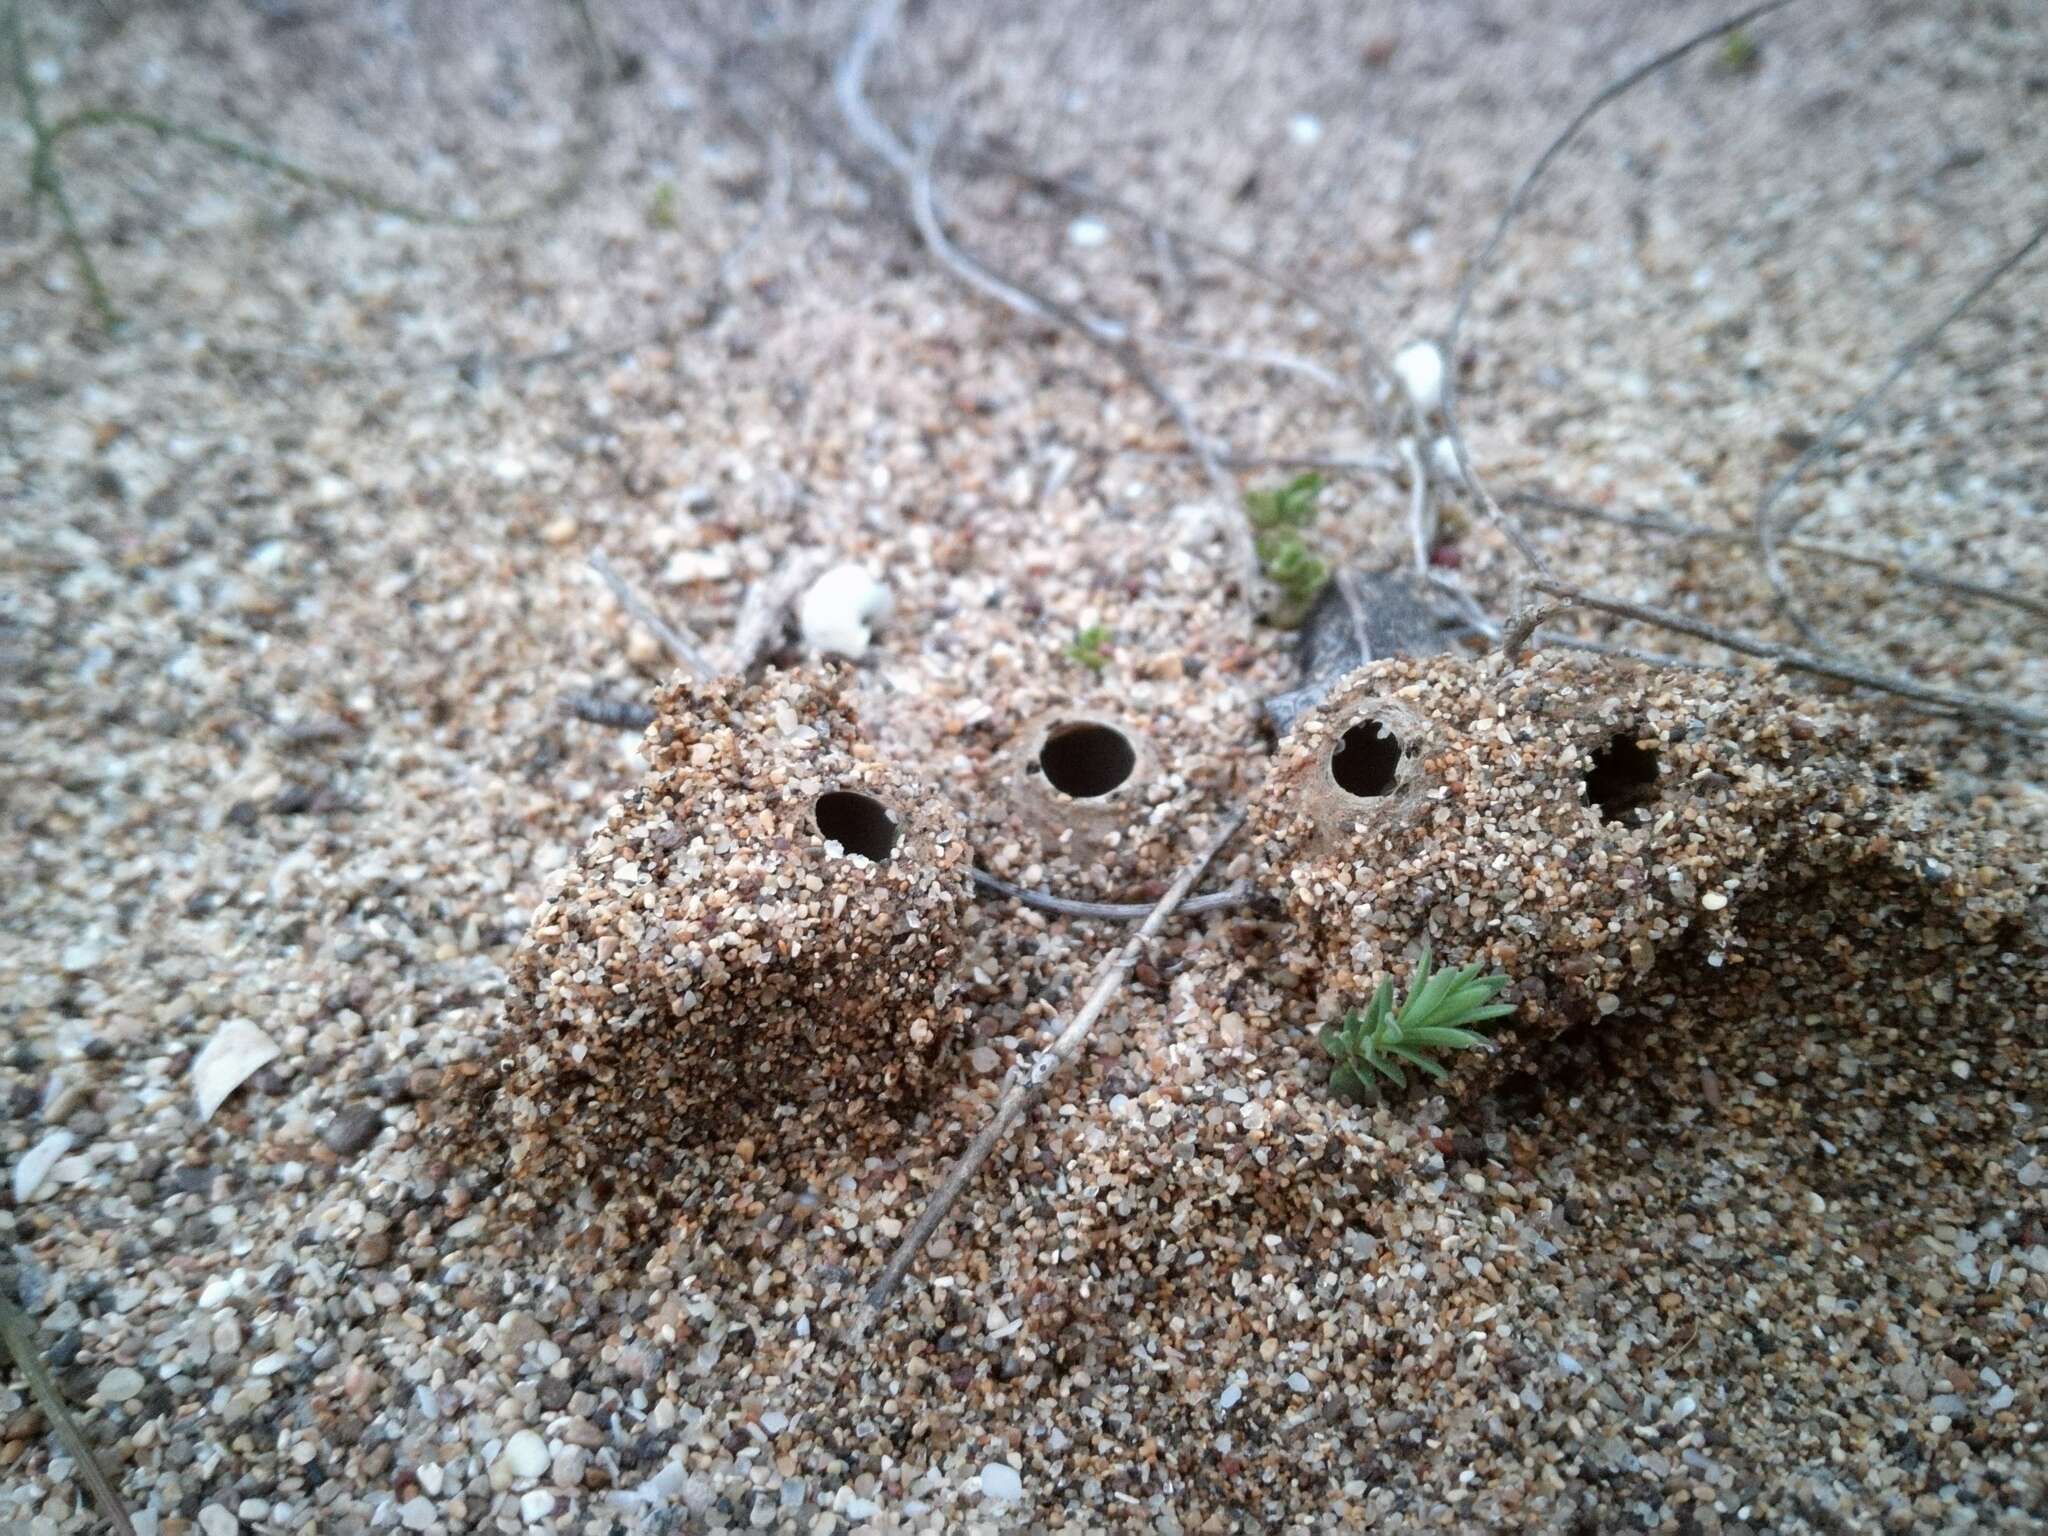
(1365, 760)
(858, 823)
(1623, 779)
(1085, 759)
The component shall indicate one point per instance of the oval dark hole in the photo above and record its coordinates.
(858, 823)
(1622, 780)
(1085, 759)
(1365, 760)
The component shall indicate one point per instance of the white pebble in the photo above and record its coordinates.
(1304, 129)
(234, 1055)
(1086, 233)
(837, 612)
(33, 1167)
(1420, 368)
(216, 1521)
(658, 1491)
(999, 1480)
(417, 1513)
(536, 1506)
(525, 1454)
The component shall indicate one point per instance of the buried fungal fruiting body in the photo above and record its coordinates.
(763, 933)
(1600, 832)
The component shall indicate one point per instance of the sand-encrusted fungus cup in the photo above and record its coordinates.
(763, 934)
(1596, 830)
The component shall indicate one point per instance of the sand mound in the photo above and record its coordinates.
(1599, 831)
(764, 930)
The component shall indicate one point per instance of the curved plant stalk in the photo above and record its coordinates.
(46, 180)
(23, 1341)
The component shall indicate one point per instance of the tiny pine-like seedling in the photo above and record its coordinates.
(1279, 516)
(1089, 648)
(1739, 52)
(1375, 1041)
(661, 207)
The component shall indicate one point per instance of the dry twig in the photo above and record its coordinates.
(1421, 527)
(1235, 895)
(1953, 700)
(1678, 528)
(1525, 621)
(679, 646)
(759, 624)
(18, 1333)
(1763, 523)
(1023, 1089)
(46, 179)
(1085, 194)
(914, 170)
(1483, 265)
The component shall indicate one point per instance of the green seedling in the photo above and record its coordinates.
(1279, 517)
(1373, 1042)
(1089, 648)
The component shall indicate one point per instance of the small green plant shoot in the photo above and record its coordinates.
(1378, 1038)
(661, 207)
(1090, 648)
(1739, 52)
(1278, 516)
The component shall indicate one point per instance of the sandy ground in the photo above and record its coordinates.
(294, 587)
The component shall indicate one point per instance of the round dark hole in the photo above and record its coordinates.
(1623, 779)
(858, 823)
(1365, 760)
(1086, 760)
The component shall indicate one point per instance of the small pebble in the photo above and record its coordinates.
(525, 1454)
(1000, 1480)
(536, 1506)
(353, 1129)
(1087, 233)
(120, 1385)
(1419, 367)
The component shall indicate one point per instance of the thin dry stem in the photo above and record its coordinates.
(1953, 700)
(1235, 895)
(1421, 527)
(1525, 621)
(679, 646)
(1678, 528)
(755, 630)
(914, 170)
(1483, 265)
(19, 1334)
(1765, 525)
(1024, 1089)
